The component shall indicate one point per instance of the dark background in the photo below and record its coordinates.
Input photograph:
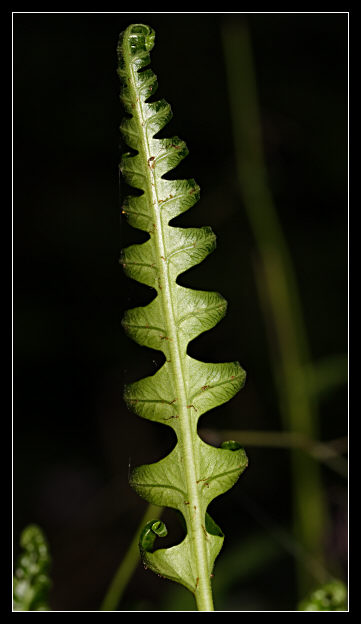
(73, 436)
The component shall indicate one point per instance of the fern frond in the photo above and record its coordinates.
(331, 596)
(194, 473)
(31, 582)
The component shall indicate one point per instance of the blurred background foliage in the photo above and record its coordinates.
(74, 439)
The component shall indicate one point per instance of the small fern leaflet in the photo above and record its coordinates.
(31, 582)
(183, 389)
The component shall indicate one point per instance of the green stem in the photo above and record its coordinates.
(203, 593)
(278, 292)
(327, 453)
(129, 563)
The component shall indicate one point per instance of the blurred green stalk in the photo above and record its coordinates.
(278, 293)
(328, 453)
(128, 564)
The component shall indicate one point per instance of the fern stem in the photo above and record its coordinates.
(278, 292)
(203, 592)
(128, 564)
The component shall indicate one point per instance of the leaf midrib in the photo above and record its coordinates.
(203, 588)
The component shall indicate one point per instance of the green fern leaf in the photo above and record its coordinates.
(329, 597)
(31, 582)
(194, 473)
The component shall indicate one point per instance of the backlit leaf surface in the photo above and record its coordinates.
(194, 473)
